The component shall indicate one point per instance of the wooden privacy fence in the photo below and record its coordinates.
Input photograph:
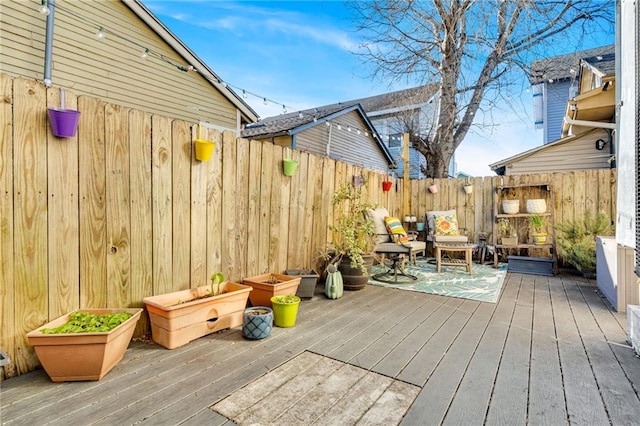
(123, 210)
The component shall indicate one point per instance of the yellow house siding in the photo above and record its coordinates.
(111, 68)
(578, 154)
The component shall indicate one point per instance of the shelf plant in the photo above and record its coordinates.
(506, 232)
(537, 227)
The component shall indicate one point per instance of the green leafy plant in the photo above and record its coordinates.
(352, 227)
(577, 240)
(536, 223)
(216, 279)
(505, 228)
(86, 322)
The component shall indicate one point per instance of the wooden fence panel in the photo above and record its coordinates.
(30, 216)
(7, 255)
(141, 212)
(92, 188)
(139, 216)
(63, 238)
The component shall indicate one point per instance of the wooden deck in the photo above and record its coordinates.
(551, 352)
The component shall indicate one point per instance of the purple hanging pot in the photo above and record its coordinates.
(64, 122)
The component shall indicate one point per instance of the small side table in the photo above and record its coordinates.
(467, 248)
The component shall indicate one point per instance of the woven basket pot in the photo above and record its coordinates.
(536, 206)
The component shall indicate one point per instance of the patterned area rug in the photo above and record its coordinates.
(483, 284)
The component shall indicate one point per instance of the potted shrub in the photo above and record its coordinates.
(507, 233)
(537, 227)
(577, 241)
(85, 344)
(265, 286)
(353, 233)
(308, 281)
(182, 316)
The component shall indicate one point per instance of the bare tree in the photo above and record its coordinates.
(469, 48)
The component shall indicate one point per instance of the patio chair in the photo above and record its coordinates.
(394, 244)
(446, 229)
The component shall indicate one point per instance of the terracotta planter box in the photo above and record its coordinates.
(263, 290)
(82, 356)
(175, 324)
(308, 281)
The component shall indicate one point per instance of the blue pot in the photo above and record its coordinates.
(257, 322)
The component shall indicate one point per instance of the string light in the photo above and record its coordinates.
(44, 9)
(147, 52)
(301, 116)
(284, 109)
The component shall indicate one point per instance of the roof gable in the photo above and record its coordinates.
(192, 59)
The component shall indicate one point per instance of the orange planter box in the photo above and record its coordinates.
(71, 357)
(264, 290)
(182, 316)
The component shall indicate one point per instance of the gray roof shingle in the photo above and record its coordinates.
(559, 67)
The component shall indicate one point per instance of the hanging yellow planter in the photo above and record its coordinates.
(203, 147)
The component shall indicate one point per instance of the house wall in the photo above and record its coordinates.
(579, 154)
(626, 137)
(556, 96)
(112, 68)
(343, 145)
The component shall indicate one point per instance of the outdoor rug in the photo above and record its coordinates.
(483, 284)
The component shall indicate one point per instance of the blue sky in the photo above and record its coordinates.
(299, 53)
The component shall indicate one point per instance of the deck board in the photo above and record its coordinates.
(551, 351)
(546, 395)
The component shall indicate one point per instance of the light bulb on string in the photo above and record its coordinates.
(264, 101)
(284, 109)
(101, 34)
(349, 128)
(244, 94)
(44, 9)
(145, 54)
(300, 115)
(339, 127)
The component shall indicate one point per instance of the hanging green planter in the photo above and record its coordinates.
(289, 164)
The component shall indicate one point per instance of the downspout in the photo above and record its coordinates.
(612, 149)
(329, 143)
(48, 43)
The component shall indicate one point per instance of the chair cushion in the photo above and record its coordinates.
(431, 218)
(396, 230)
(379, 226)
(446, 225)
(450, 239)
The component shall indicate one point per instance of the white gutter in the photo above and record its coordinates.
(584, 123)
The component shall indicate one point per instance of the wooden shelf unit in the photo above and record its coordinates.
(520, 220)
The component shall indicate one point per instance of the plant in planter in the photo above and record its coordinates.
(285, 310)
(353, 233)
(507, 232)
(577, 241)
(84, 345)
(265, 286)
(537, 227)
(182, 316)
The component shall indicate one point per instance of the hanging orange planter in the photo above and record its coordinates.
(386, 186)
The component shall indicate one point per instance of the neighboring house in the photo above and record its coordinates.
(341, 132)
(391, 114)
(556, 80)
(170, 81)
(586, 128)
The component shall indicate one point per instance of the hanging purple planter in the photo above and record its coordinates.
(64, 122)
